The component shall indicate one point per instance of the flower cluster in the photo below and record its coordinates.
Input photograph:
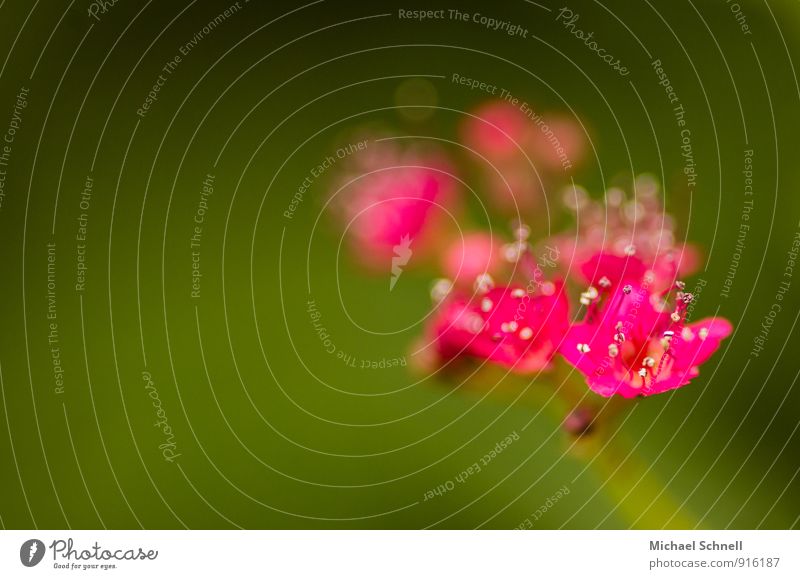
(607, 296)
(390, 196)
(632, 337)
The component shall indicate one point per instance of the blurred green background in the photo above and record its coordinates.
(271, 430)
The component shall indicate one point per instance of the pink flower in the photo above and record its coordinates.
(472, 255)
(631, 345)
(501, 131)
(623, 228)
(523, 151)
(603, 268)
(558, 143)
(613, 269)
(394, 199)
(504, 325)
(497, 130)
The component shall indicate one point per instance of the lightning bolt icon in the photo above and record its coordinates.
(402, 253)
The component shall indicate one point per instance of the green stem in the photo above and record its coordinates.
(633, 486)
(631, 483)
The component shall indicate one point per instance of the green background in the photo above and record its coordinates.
(273, 432)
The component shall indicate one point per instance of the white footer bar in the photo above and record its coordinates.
(415, 554)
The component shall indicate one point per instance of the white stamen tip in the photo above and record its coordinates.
(613, 350)
(474, 323)
(440, 289)
(513, 251)
(526, 333)
(584, 348)
(522, 232)
(484, 282)
(486, 304)
(703, 333)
